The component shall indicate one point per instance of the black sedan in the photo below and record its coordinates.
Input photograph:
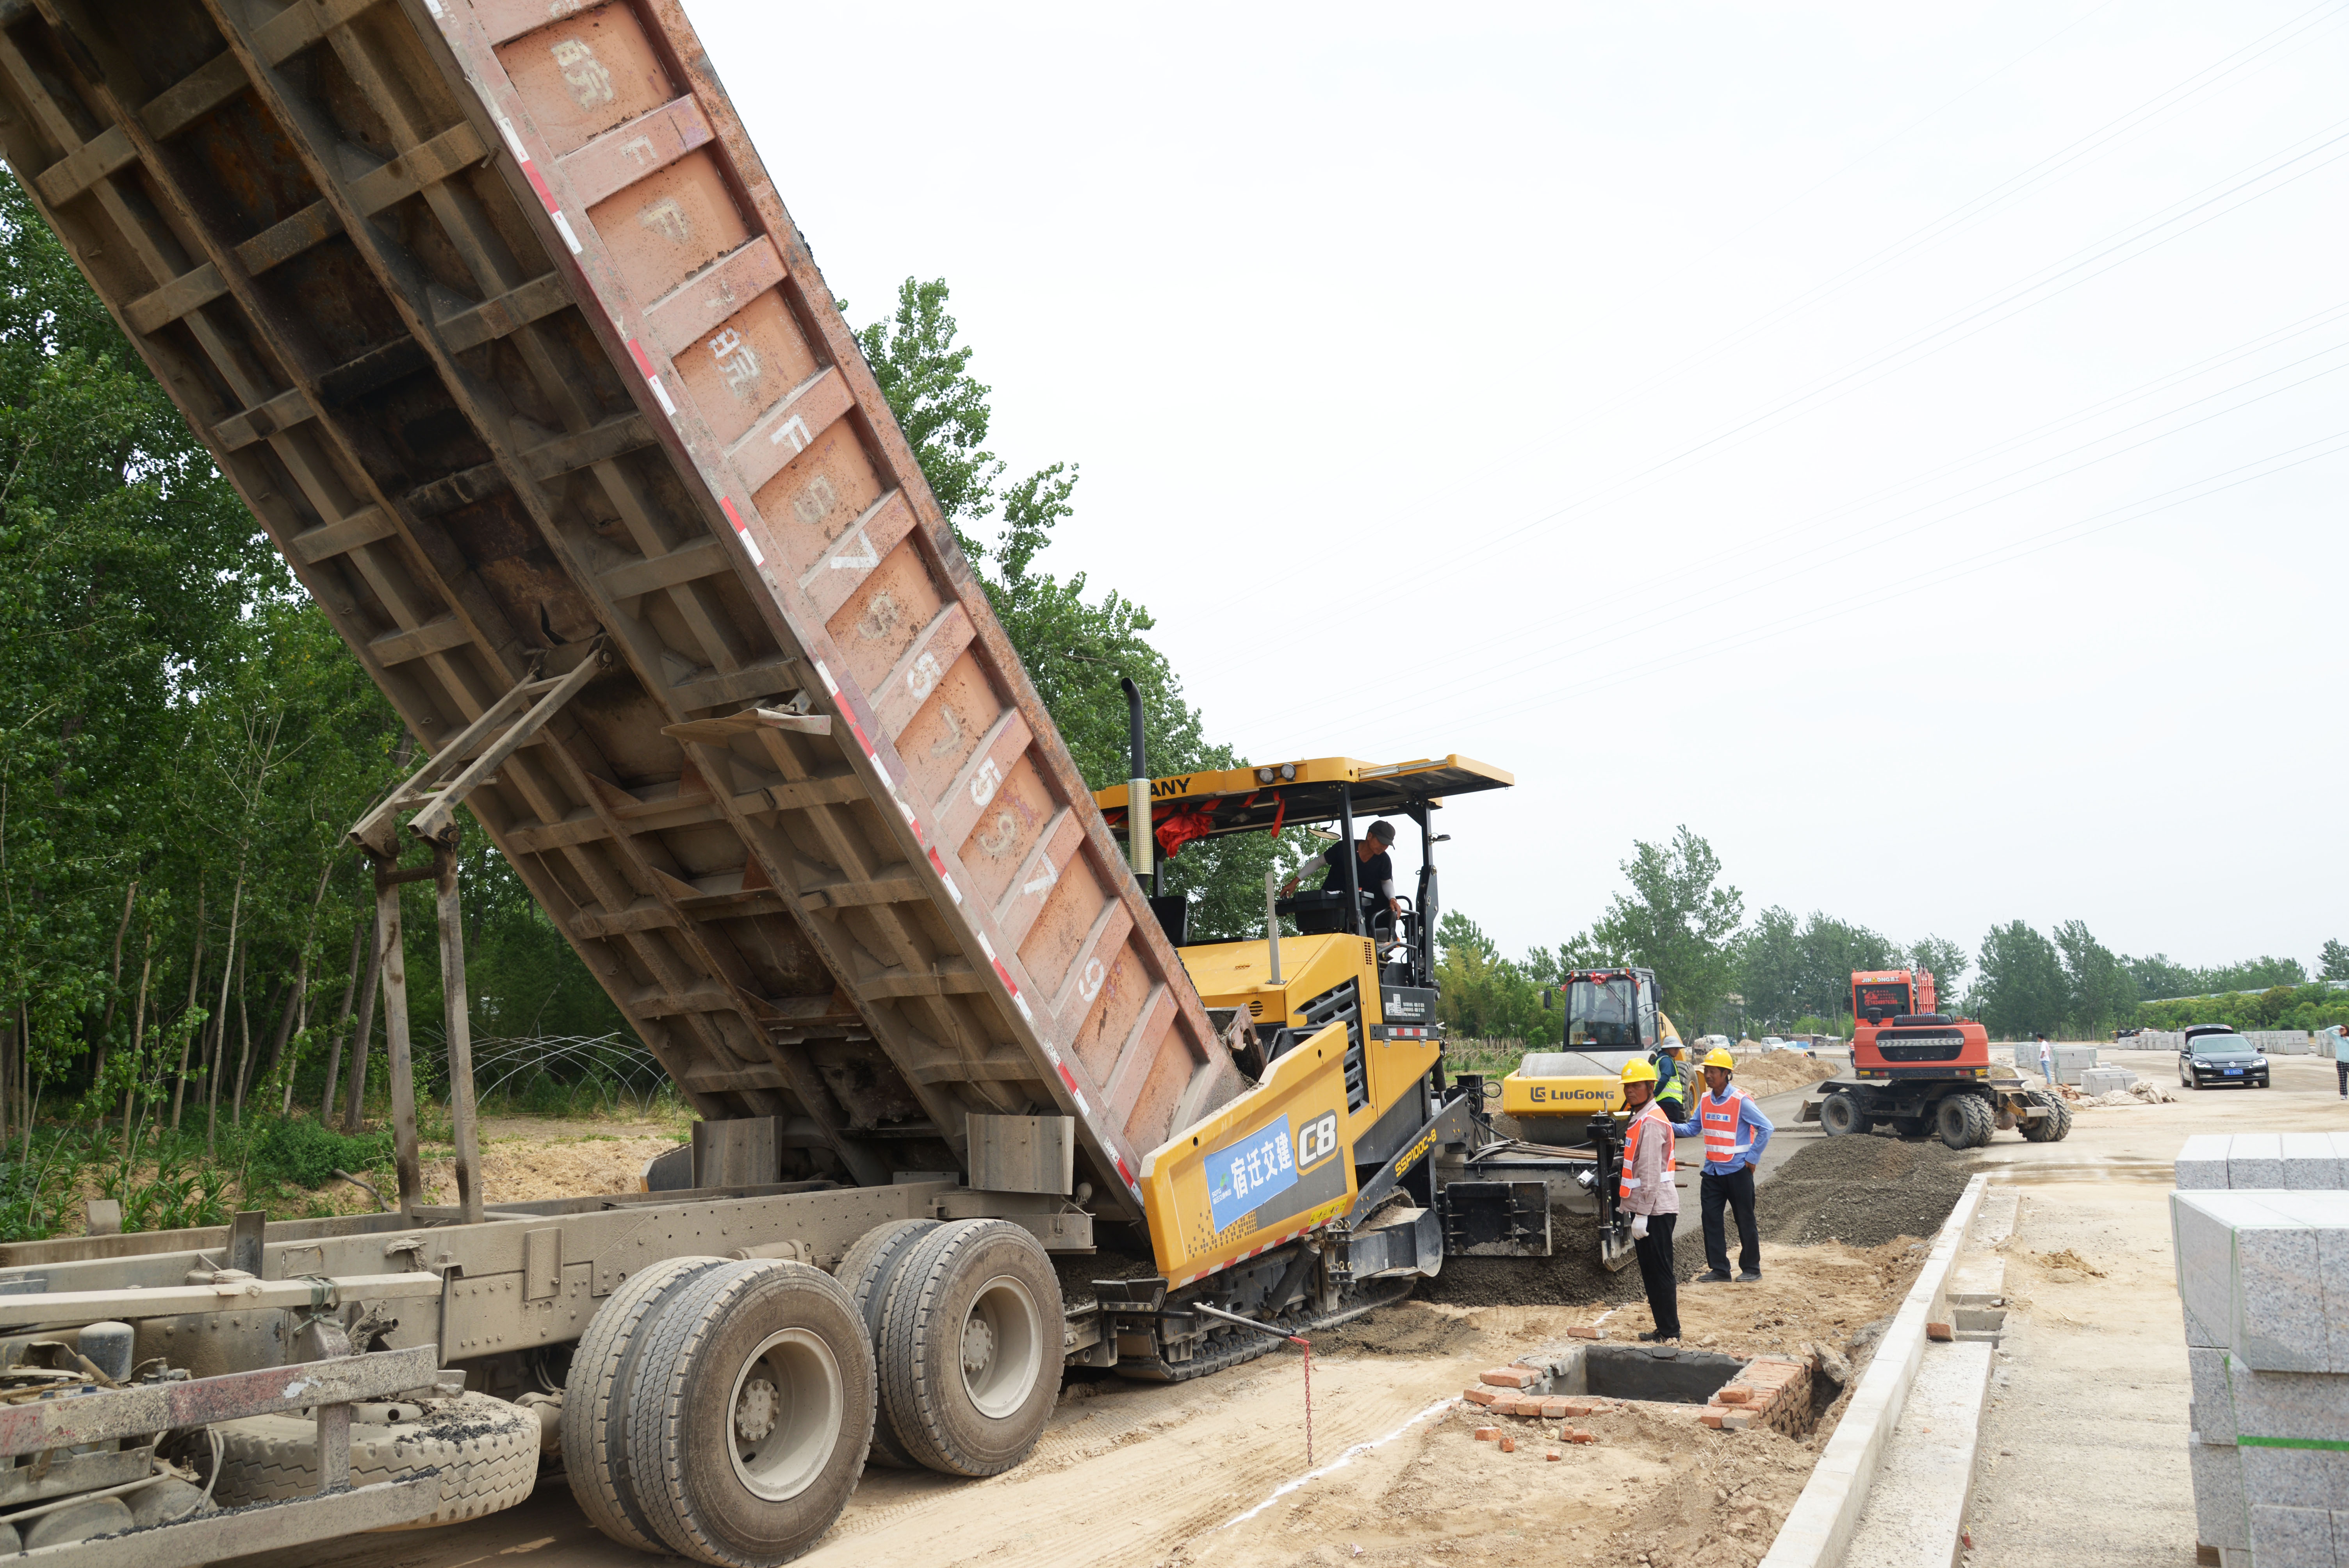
(2220, 1059)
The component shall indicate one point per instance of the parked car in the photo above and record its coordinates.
(2215, 1054)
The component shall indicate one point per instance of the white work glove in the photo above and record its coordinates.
(1638, 1227)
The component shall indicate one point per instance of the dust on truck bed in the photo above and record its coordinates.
(493, 315)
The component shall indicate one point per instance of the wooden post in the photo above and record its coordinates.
(363, 1035)
(394, 1039)
(467, 1134)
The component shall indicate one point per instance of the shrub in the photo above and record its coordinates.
(300, 1151)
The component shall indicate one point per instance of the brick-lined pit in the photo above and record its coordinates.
(1773, 1391)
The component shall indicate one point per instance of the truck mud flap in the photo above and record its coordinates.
(1495, 1219)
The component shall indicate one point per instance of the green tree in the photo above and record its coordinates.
(2333, 964)
(2102, 990)
(1945, 959)
(1075, 649)
(1770, 966)
(1676, 921)
(2022, 988)
(1485, 996)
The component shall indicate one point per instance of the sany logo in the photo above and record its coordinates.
(1317, 1140)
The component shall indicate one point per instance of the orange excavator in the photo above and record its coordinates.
(1922, 1072)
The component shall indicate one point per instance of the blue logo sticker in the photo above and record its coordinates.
(1257, 1168)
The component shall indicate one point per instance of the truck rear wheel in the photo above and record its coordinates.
(1964, 1121)
(1839, 1115)
(866, 1272)
(595, 1400)
(970, 1347)
(752, 1411)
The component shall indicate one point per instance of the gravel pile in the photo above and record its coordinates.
(1862, 1191)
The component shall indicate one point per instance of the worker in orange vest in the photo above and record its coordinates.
(1736, 1132)
(1646, 1193)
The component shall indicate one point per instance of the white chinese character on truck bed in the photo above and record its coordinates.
(591, 83)
(737, 360)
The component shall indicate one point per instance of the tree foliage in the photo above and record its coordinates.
(184, 740)
(1675, 921)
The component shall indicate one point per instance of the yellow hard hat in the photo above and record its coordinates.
(1719, 1057)
(1638, 1071)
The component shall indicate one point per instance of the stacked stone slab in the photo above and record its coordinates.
(2104, 1080)
(2069, 1061)
(2263, 1279)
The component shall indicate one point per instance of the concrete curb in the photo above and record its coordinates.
(1819, 1527)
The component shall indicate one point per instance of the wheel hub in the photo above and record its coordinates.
(978, 1346)
(754, 1409)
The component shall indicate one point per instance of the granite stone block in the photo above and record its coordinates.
(2308, 1163)
(2202, 1163)
(2291, 1537)
(2266, 1273)
(2305, 1407)
(2212, 1413)
(2221, 1515)
(2293, 1477)
(2255, 1161)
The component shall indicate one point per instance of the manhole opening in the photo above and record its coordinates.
(1665, 1377)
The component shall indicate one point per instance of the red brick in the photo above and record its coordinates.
(1579, 1407)
(1509, 1378)
(1488, 1434)
(1553, 1456)
(1711, 1418)
(1509, 1444)
(1938, 1332)
(1578, 1436)
(1734, 1394)
(1586, 1331)
(1480, 1395)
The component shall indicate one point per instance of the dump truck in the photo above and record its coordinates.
(494, 318)
(1922, 1073)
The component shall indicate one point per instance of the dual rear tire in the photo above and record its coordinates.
(723, 1411)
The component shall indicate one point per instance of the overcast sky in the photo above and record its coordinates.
(1904, 444)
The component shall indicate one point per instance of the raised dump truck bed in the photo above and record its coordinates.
(494, 318)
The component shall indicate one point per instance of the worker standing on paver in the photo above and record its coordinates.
(2046, 1060)
(1646, 1194)
(2339, 1033)
(1736, 1132)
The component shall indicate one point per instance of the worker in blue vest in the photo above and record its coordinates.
(1736, 1132)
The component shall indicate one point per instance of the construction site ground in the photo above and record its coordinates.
(2084, 1452)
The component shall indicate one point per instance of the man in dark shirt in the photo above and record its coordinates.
(1374, 869)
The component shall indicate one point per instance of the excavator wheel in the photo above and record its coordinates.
(1964, 1121)
(2051, 1128)
(1839, 1115)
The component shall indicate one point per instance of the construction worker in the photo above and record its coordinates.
(2339, 1033)
(1646, 1193)
(1736, 1132)
(1673, 1090)
(1374, 869)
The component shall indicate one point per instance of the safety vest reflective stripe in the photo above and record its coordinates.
(1649, 1115)
(1724, 1138)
